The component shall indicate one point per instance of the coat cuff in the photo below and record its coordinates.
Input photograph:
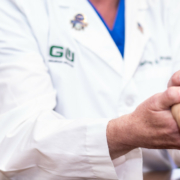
(98, 151)
(126, 167)
(130, 165)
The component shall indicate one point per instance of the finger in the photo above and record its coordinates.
(176, 113)
(175, 79)
(165, 100)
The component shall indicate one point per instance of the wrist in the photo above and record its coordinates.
(119, 136)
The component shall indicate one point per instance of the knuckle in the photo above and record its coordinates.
(153, 101)
(175, 79)
(170, 93)
(176, 74)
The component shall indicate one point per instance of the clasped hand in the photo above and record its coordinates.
(151, 125)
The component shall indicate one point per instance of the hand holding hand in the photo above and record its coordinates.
(175, 81)
(151, 125)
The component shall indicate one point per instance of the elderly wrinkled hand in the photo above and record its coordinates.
(151, 125)
(175, 109)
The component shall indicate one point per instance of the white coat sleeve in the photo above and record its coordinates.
(35, 141)
(173, 27)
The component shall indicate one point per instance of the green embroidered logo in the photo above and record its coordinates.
(59, 52)
(69, 55)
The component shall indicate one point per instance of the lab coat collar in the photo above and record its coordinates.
(97, 39)
(137, 36)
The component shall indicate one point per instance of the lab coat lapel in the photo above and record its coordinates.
(137, 36)
(95, 36)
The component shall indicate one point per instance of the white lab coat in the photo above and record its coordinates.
(59, 87)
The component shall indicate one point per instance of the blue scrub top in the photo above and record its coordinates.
(118, 31)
